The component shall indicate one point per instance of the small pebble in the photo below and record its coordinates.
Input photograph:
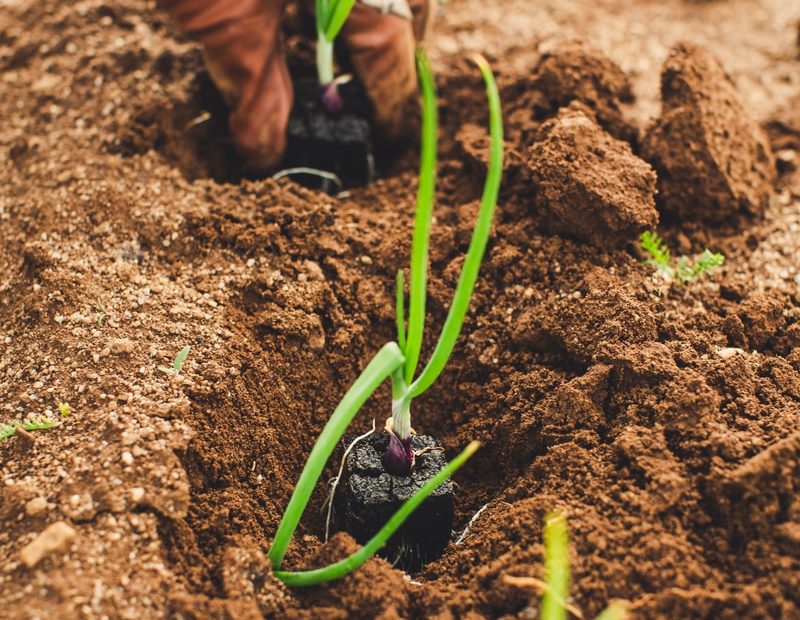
(729, 352)
(121, 346)
(55, 538)
(36, 506)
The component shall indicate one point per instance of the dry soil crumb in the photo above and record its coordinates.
(588, 184)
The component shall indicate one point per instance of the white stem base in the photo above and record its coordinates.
(401, 417)
(324, 60)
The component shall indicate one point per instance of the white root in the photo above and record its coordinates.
(471, 521)
(334, 482)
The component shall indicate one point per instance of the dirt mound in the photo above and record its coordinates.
(713, 161)
(588, 184)
(598, 314)
(573, 71)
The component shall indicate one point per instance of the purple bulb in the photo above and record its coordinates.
(399, 459)
(332, 99)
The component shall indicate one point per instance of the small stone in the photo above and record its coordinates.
(127, 458)
(55, 538)
(729, 352)
(786, 159)
(120, 346)
(314, 270)
(130, 437)
(137, 494)
(36, 506)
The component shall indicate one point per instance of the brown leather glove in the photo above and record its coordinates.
(243, 54)
(381, 46)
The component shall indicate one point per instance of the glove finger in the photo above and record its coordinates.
(259, 118)
(381, 49)
(244, 57)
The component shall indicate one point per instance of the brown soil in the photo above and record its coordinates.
(713, 162)
(664, 422)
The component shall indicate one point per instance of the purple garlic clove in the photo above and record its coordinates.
(332, 99)
(399, 459)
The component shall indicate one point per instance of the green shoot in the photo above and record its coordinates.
(386, 361)
(337, 14)
(177, 365)
(660, 256)
(556, 567)
(350, 563)
(405, 388)
(554, 590)
(685, 270)
(331, 16)
(64, 409)
(480, 237)
(101, 314)
(616, 610)
(400, 309)
(555, 600)
(418, 275)
(7, 430)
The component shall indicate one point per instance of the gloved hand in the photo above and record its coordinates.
(244, 56)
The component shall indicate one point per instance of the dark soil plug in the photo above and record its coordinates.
(713, 161)
(339, 145)
(588, 184)
(368, 496)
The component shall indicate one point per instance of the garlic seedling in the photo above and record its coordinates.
(398, 360)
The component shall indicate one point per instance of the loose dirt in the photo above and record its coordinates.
(664, 422)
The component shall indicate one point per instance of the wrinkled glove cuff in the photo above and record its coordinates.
(395, 7)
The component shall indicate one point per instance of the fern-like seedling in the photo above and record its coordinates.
(177, 364)
(685, 270)
(660, 256)
(8, 429)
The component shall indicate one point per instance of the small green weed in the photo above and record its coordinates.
(685, 270)
(177, 364)
(7, 430)
(100, 317)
